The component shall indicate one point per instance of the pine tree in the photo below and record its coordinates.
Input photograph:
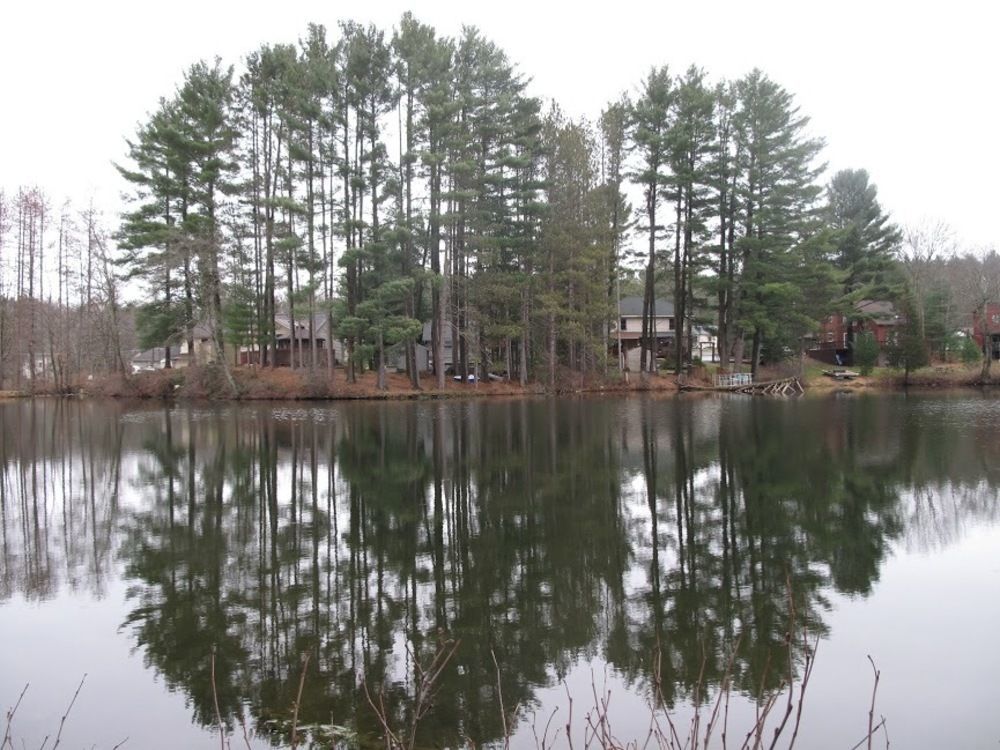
(204, 107)
(865, 241)
(777, 194)
(437, 105)
(614, 144)
(723, 173)
(150, 233)
(691, 140)
(413, 46)
(651, 117)
(577, 246)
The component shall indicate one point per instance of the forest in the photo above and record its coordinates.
(402, 189)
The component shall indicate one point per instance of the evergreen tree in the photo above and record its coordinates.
(614, 144)
(149, 233)
(382, 182)
(866, 352)
(207, 139)
(723, 172)
(651, 116)
(577, 247)
(776, 190)
(864, 240)
(691, 141)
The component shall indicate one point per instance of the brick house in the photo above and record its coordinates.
(835, 340)
(988, 340)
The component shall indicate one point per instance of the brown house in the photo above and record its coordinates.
(293, 341)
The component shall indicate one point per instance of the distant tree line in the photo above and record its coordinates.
(377, 181)
(61, 317)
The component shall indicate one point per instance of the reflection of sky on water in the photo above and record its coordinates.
(925, 611)
(51, 645)
(936, 660)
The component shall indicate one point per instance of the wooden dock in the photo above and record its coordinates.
(782, 387)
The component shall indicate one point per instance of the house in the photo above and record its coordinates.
(202, 352)
(704, 344)
(834, 343)
(293, 342)
(427, 360)
(988, 340)
(628, 329)
(150, 359)
(422, 353)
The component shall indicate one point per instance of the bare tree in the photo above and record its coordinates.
(974, 279)
(924, 247)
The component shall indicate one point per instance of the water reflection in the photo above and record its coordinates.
(60, 492)
(541, 531)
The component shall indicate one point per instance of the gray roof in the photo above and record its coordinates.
(881, 311)
(149, 356)
(282, 324)
(632, 307)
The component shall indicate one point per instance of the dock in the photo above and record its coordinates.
(733, 384)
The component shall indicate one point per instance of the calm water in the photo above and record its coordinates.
(572, 538)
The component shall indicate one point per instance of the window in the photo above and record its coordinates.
(829, 336)
(624, 324)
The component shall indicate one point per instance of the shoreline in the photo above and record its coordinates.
(208, 384)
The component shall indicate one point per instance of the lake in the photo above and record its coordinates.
(198, 561)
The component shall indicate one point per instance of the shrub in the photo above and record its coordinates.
(159, 384)
(866, 352)
(205, 382)
(969, 351)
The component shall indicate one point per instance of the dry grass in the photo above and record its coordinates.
(936, 376)
(257, 383)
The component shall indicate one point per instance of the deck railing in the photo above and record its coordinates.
(733, 380)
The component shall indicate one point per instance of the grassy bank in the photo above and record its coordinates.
(936, 376)
(253, 383)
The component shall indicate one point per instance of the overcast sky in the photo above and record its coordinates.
(907, 91)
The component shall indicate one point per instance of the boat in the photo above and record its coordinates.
(842, 374)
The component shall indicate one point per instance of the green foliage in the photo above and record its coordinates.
(157, 323)
(864, 239)
(866, 352)
(181, 166)
(238, 318)
(969, 351)
(909, 351)
(780, 283)
(284, 193)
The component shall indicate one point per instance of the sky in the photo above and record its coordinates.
(907, 91)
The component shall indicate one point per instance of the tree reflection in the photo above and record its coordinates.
(539, 531)
(60, 474)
